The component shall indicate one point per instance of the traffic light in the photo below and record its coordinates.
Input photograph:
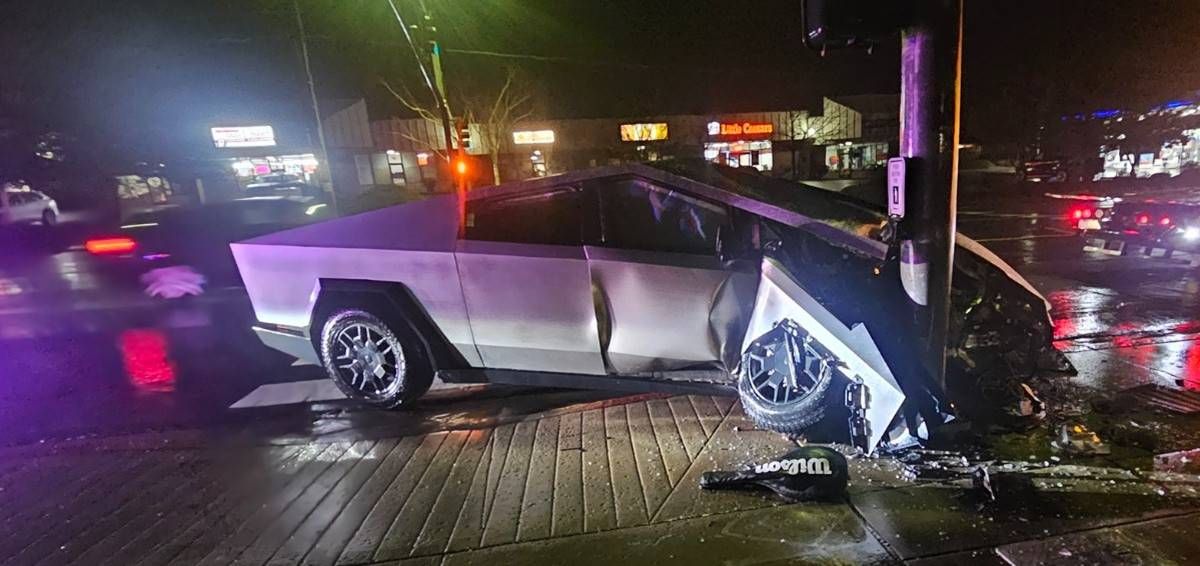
(852, 23)
(464, 136)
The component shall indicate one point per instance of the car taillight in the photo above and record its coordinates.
(1077, 214)
(1087, 213)
(1165, 221)
(1143, 219)
(1099, 213)
(110, 246)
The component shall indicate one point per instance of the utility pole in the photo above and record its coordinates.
(930, 85)
(457, 158)
(437, 91)
(324, 173)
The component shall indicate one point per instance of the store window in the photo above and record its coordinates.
(553, 218)
(362, 164)
(395, 163)
(640, 215)
(756, 154)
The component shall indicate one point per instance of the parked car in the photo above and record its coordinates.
(679, 277)
(175, 251)
(1051, 171)
(20, 204)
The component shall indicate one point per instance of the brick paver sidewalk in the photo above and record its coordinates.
(590, 484)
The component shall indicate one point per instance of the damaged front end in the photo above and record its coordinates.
(819, 304)
(1000, 336)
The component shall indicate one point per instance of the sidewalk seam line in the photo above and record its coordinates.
(485, 454)
(233, 505)
(1063, 533)
(612, 490)
(637, 468)
(525, 484)
(322, 500)
(408, 496)
(449, 471)
(614, 529)
(693, 463)
(662, 458)
(293, 501)
(488, 509)
(379, 499)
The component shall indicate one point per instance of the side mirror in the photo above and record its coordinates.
(852, 23)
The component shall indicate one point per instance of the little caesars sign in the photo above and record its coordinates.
(796, 466)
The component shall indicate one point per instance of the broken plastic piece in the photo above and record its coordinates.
(1184, 461)
(803, 474)
(983, 483)
(1077, 440)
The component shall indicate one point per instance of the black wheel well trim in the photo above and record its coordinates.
(346, 292)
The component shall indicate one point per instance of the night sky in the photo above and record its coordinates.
(146, 77)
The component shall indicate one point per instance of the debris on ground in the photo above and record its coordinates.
(806, 473)
(933, 465)
(1078, 440)
(1030, 405)
(1184, 461)
(982, 482)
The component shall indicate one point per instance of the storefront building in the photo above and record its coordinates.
(790, 143)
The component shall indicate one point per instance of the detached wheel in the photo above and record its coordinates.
(49, 218)
(373, 361)
(784, 379)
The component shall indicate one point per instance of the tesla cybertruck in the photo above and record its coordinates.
(681, 277)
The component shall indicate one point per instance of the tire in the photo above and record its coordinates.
(49, 218)
(794, 414)
(397, 353)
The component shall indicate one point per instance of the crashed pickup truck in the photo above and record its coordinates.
(685, 277)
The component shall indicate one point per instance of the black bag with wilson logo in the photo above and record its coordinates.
(804, 474)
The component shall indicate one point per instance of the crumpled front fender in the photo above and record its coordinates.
(780, 297)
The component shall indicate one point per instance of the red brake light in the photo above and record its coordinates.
(1143, 219)
(1087, 213)
(110, 246)
(1166, 221)
(1077, 214)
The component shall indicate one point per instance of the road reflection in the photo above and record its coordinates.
(147, 361)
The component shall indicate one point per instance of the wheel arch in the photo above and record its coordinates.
(397, 304)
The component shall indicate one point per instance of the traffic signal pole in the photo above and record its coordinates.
(930, 85)
(438, 91)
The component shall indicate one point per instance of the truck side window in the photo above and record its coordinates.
(640, 215)
(552, 218)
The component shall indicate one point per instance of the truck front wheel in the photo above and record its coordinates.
(373, 361)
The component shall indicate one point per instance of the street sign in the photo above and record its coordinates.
(895, 176)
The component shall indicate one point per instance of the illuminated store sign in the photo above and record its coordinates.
(644, 132)
(244, 136)
(533, 137)
(739, 129)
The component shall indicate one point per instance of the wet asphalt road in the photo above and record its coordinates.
(80, 359)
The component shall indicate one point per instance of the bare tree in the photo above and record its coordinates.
(429, 114)
(496, 117)
(490, 112)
